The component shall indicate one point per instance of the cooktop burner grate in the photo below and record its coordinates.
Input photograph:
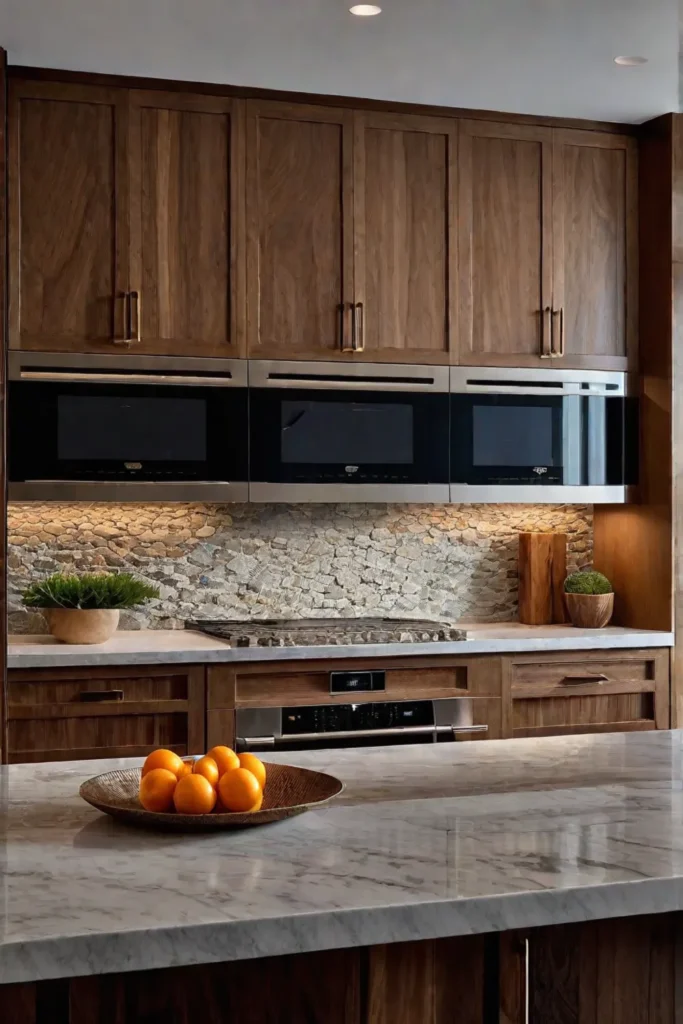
(324, 632)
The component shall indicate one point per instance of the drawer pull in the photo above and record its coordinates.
(96, 696)
(577, 680)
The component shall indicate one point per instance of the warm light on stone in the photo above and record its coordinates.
(236, 561)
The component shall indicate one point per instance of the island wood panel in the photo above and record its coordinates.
(186, 224)
(68, 216)
(48, 719)
(504, 233)
(405, 255)
(299, 223)
(595, 249)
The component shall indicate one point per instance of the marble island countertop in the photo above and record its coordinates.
(425, 842)
(153, 647)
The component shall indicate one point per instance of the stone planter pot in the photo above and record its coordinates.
(82, 625)
(590, 611)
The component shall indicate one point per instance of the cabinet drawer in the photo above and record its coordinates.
(581, 676)
(620, 692)
(65, 714)
(551, 716)
(311, 685)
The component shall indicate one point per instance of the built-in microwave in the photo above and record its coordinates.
(325, 432)
(542, 435)
(127, 428)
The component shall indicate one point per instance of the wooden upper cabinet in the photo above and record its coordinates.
(299, 230)
(504, 220)
(595, 240)
(67, 217)
(186, 205)
(405, 237)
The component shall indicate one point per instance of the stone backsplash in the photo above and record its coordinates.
(453, 562)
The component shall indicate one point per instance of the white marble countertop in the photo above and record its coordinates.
(153, 647)
(425, 842)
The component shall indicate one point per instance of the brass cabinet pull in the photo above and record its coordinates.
(546, 340)
(125, 335)
(358, 328)
(343, 342)
(560, 352)
(136, 325)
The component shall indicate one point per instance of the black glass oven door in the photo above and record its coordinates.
(125, 432)
(309, 437)
(575, 440)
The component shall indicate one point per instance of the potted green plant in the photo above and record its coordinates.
(590, 599)
(84, 609)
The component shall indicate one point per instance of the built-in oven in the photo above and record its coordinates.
(325, 432)
(542, 435)
(348, 723)
(127, 428)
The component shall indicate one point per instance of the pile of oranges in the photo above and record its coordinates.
(220, 781)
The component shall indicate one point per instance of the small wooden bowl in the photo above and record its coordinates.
(289, 791)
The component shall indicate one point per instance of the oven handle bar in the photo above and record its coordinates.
(268, 742)
(127, 378)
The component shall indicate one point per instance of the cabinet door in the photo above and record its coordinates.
(68, 217)
(595, 241)
(405, 258)
(185, 180)
(72, 713)
(505, 259)
(299, 230)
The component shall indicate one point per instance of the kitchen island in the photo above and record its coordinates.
(546, 872)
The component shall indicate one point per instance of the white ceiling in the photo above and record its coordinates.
(552, 57)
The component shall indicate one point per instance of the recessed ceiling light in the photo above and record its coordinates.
(365, 10)
(630, 62)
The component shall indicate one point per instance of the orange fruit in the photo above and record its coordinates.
(207, 767)
(239, 790)
(225, 758)
(162, 759)
(259, 803)
(156, 790)
(254, 765)
(194, 795)
(185, 769)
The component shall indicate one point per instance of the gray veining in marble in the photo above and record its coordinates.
(155, 646)
(425, 842)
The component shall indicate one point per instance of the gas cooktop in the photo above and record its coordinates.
(323, 632)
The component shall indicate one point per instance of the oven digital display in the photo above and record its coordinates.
(353, 717)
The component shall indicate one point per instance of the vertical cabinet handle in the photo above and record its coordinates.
(135, 322)
(546, 337)
(559, 352)
(125, 333)
(358, 328)
(527, 1000)
(344, 343)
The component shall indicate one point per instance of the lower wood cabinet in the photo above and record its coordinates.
(613, 691)
(71, 713)
(127, 711)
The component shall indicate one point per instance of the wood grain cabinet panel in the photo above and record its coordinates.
(299, 230)
(595, 236)
(186, 262)
(50, 717)
(405, 237)
(621, 691)
(505, 273)
(68, 216)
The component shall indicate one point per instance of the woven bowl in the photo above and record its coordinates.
(289, 791)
